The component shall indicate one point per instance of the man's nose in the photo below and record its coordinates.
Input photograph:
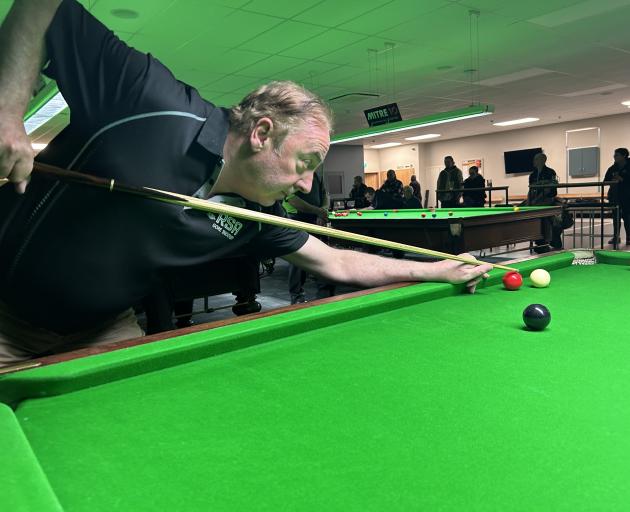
(305, 184)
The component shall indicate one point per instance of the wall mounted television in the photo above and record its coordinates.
(520, 161)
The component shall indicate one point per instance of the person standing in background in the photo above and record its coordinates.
(357, 194)
(476, 198)
(417, 189)
(545, 196)
(311, 208)
(450, 178)
(620, 173)
(393, 187)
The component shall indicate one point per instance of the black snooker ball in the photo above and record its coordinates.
(536, 317)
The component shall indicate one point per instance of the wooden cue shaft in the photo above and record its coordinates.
(242, 213)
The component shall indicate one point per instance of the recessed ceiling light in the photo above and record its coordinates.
(126, 14)
(626, 103)
(386, 145)
(517, 121)
(423, 137)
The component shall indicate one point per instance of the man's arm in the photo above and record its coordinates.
(303, 207)
(22, 53)
(367, 270)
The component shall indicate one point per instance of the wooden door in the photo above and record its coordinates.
(372, 180)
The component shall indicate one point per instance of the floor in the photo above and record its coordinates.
(274, 288)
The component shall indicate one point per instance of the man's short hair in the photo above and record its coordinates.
(286, 103)
(408, 189)
(474, 167)
(370, 190)
(541, 155)
(449, 157)
(622, 151)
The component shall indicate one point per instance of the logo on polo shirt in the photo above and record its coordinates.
(228, 226)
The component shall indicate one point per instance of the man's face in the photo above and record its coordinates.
(391, 175)
(619, 158)
(539, 161)
(283, 171)
(369, 196)
(448, 163)
(471, 172)
(408, 193)
(357, 181)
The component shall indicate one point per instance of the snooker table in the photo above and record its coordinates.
(468, 229)
(415, 397)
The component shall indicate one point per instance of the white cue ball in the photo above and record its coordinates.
(540, 278)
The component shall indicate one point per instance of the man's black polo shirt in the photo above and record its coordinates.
(73, 256)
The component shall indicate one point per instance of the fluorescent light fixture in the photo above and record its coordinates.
(626, 103)
(433, 119)
(46, 105)
(386, 145)
(424, 137)
(517, 121)
(38, 146)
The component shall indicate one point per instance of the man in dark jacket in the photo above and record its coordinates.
(619, 194)
(357, 194)
(545, 196)
(475, 198)
(417, 189)
(450, 178)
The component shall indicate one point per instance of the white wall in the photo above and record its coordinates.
(408, 155)
(426, 157)
(372, 160)
(615, 132)
(347, 161)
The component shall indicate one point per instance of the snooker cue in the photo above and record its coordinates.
(235, 211)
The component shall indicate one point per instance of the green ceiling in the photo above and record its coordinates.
(226, 48)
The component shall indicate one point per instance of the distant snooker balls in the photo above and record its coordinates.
(540, 278)
(536, 317)
(512, 281)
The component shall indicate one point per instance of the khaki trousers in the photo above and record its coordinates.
(20, 341)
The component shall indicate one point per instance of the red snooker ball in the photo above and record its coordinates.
(359, 214)
(423, 215)
(512, 281)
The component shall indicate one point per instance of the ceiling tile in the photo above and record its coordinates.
(332, 13)
(283, 36)
(280, 8)
(322, 44)
(270, 66)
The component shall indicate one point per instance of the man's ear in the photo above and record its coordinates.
(261, 134)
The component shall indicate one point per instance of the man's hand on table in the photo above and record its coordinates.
(456, 272)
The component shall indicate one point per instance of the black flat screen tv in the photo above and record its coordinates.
(520, 161)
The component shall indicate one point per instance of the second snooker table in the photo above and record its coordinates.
(416, 397)
(467, 229)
